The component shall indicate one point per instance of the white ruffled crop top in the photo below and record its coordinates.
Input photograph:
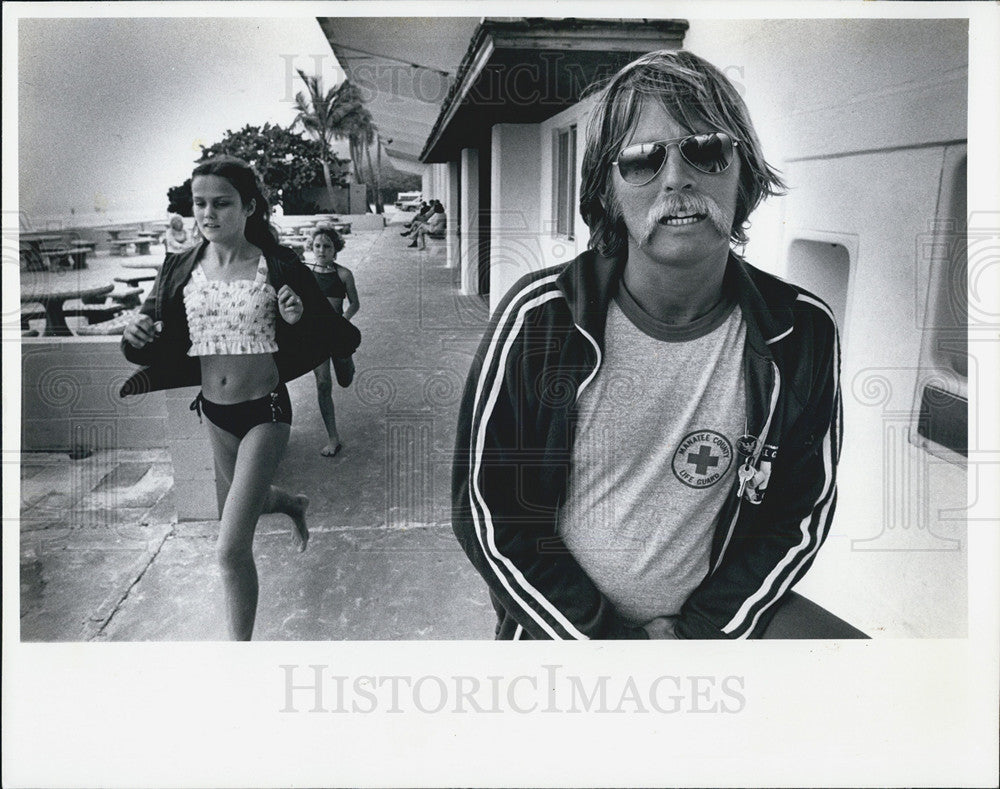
(228, 318)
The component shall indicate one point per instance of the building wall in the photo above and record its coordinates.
(869, 131)
(70, 403)
(69, 398)
(514, 209)
(559, 248)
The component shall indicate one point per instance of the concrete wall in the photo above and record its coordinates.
(514, 207)
(320, 195)
(69, 398)
(70, 402)
(364, 221)
(348, 199)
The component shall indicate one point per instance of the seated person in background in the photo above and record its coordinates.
(432, 227)
(422, 216)
(177, 238)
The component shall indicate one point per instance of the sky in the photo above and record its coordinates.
(111, 110)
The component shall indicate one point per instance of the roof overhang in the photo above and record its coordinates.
(405, 67)
(527, 70)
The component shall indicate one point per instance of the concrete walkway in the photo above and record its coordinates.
(103, 557)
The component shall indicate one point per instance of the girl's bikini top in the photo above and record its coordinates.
(228, 318)
(330, 283)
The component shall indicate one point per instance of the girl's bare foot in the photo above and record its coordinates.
(331, 450)
(297, 512)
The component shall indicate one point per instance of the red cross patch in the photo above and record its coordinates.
(702, 459)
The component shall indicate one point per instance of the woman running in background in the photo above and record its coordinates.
(336, 283)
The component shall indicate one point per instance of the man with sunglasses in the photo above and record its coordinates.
(649, 435)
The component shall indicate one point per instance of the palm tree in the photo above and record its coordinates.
(339, 114)
(318, 116)
(356, 124)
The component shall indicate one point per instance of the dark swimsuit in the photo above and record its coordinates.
(333, 287)
(330, 283)
(239, 418)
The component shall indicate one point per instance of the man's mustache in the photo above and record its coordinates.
(685, 204)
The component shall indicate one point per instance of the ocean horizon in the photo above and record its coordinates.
(29, 221)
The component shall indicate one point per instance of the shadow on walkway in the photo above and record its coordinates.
(102, 557)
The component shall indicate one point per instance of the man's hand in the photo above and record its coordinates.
(289, 305)
(661, 627)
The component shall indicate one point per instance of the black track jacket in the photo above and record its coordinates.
(514, 447)
(319, 334)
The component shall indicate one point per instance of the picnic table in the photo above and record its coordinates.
(154, 236)
(120, 246)
(155, 265)
(133, 280)
(52, 295)
(33, 244)
(67, 257)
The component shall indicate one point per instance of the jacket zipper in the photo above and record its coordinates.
(597, 363)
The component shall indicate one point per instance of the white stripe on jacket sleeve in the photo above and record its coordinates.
(791, 564)
(490, 382)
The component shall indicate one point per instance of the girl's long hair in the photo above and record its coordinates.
(245, 181)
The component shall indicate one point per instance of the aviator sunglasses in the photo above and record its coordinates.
(710, 152)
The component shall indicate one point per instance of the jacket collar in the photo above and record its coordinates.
(186, 260)
(590, 280)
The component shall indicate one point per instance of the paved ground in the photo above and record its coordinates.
(103, 557)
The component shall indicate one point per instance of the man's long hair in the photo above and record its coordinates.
(693, 92)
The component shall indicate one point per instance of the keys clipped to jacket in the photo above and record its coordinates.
(745, 447)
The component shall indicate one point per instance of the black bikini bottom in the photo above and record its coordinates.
(239, 418)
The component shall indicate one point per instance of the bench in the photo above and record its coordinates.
(133, 281)
(31, 314)
(67, 257)
(128, 297)
(56, 257)
(121, 245)
(94, 313)
(31, 259)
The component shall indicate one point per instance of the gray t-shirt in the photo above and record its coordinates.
(654, 455)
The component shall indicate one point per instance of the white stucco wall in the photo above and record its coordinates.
(515, 247)
(558, 248)
(860, 126)
(469, 221)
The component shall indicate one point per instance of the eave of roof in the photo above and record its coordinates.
(524, 46)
